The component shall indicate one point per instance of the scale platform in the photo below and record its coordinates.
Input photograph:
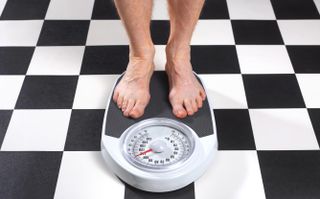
(158, 152)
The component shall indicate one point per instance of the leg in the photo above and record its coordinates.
(186, 94)
(132, 93)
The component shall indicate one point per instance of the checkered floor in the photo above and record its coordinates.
(260, 60)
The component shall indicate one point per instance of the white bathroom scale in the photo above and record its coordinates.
(158, 152)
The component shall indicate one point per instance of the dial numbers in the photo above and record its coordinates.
(158, 146)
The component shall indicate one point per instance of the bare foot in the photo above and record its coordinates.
(186, 93)
(132, 93)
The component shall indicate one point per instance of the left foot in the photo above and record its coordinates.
(186, 93)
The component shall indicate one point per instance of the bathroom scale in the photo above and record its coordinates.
(158, 152)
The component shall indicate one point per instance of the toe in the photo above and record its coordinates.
(138, 110)
(130, 105)
(115, 96)
(203, 94)
(194, 106)
(188, 106)
(124, 104)
(199, 102)
(120, 101)
(178, 110)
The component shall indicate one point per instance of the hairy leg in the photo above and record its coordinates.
(186, 94)
(132, 93)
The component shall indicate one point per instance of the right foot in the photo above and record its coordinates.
(132, 92)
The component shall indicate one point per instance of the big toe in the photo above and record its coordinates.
(138, 110)
(178, 110)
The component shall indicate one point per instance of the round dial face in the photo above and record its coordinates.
(158, 145)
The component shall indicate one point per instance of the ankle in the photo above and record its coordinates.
(176, 52)
(178, 67)
(146, 52)
(178, 60)
(140, 66)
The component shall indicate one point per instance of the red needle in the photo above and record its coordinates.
(144, 152)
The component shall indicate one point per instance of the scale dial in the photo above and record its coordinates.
(158, 144)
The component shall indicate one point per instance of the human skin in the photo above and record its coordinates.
(132, 93)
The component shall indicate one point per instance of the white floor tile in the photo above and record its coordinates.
(70, 9)
(225, 91)
(259, 59)
(107, 32)
(10, 86)
(209, 32)
(300, 32)
(250, 9)
(93, 91)
(282, 129)
(56, 60)
(232, 175)
(160, 57)
(160, 10)
(37, 130)
(83, 175)
(317, 2)
(2, 5)
(20, 32)
(309, 85)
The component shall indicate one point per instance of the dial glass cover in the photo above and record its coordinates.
(158, 144)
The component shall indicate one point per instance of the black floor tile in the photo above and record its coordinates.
(105, 59)
(256, 32)
(216, 9)
(273, 91)
(183, 193)
(84, 133)
(214, 59)
(295, 9)
(315, 119)
(27, 175)
(211, 10)
(25, 9)
(305, 59)
(47, 92)
(160, 30)
(290, 174)
(15, 60)
(234, 129)
(64, 33)
(5, 116)
(104, 10)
